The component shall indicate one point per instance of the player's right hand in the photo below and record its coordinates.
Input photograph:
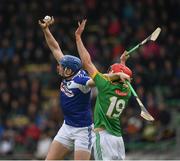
(124, 57)
(46, 23)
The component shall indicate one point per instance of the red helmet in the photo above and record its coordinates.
(115, 68)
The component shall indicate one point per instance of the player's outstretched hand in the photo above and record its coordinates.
(80, 28)
(124, 57)
(46, 22)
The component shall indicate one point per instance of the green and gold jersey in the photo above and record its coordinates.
(111, 100)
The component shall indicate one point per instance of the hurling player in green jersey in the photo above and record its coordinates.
(112, 98)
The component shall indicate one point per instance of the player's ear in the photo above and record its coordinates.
(69, 71)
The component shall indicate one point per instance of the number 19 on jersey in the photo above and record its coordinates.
(116, 107)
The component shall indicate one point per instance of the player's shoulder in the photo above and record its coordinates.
(81, 77)
(84, 72)
(81, 74)
(101, 76)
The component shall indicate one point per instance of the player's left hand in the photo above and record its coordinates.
(124, 77)
(80, 28)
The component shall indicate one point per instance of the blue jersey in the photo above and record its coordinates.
(75, 100)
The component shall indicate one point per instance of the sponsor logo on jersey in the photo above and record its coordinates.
(66, 91)
(120, 93)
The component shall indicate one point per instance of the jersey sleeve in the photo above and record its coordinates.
(101, 81)
(82, 78)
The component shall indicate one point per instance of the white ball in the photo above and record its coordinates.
(47, 18)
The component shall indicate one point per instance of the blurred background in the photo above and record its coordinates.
(30, 115)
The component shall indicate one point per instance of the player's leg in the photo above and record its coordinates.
(82, 155)
(61, 145)
(108, 147)
(83, 143)
(57, 151)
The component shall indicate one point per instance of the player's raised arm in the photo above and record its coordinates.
(124, 57)
(52, 43)
(83, 53)
(117, 76)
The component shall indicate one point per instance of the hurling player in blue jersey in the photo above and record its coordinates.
(76, 131)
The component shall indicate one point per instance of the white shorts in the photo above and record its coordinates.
(79, 138)
(108, 147)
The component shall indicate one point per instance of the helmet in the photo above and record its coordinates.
(72, 62)
(115, 68)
